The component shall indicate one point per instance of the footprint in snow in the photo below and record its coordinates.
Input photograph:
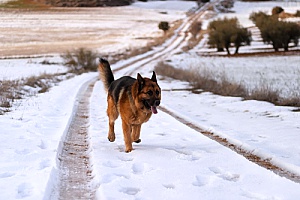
(225, 175)
(252, 195)
(130, 190)
(7, 174)
(111, 177)
(137, 168)
(125, 158)
(184, 154)
(44, 164)
(141, 168)
(43, 145)
(188, 156)
(161, 134)
(111, 164)
(201, 181)
(24, 190)
(23, 151)
(169, 186)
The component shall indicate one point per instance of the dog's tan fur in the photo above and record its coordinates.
(133, 99)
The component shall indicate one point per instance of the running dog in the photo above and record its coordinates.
(133, 99)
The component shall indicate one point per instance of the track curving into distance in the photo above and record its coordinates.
(76, 177)
(75, 167)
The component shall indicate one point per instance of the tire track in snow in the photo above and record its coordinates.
(265, 162)
(176, 42)
(76, 175)
(76, 179)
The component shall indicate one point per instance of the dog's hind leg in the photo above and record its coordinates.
(135, 134)
(112, 114)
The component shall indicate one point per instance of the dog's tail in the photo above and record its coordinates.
(105, 72)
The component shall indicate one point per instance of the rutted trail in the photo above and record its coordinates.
(174, 161)
(76, 170)
(265, 162)
(76, 178)
(75, 165)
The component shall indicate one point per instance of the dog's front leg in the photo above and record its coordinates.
(135, 135)
(127, 136)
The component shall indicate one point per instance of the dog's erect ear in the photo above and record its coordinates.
(141, 81)
(153, 78)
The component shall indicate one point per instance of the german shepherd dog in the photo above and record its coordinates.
(134, 99)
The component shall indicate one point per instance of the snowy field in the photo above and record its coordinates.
(172, 161)
(280, 73)
(57, 30)
(242, 10)
(13, 69)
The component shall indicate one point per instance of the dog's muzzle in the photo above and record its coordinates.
(152, 105)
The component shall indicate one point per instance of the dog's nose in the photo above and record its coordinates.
(157, 102)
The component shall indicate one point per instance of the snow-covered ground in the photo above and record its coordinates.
(172, 161)
(280, 73)
(12, 69)
(102, 29)
(242, 10)
(176, 162)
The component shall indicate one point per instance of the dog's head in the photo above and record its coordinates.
(149, 93)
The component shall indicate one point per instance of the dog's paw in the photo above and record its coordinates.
(138, 141)
(128, 150)
(111, 138)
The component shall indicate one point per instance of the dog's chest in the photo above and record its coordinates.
(140, 118)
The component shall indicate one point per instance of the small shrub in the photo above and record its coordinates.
(277, 10)
(297, 14)
(8, 94)
(82, 60)
(164, 26)
(224, 5)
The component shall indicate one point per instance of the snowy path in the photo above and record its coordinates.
(174, 162)
(75, 168)
(184, 151)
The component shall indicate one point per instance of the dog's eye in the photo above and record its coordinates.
(150, 93)
(157, 92)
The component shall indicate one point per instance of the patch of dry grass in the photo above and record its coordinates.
(206, 81)
(26, 4)
(80, 61)
(12, 90)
